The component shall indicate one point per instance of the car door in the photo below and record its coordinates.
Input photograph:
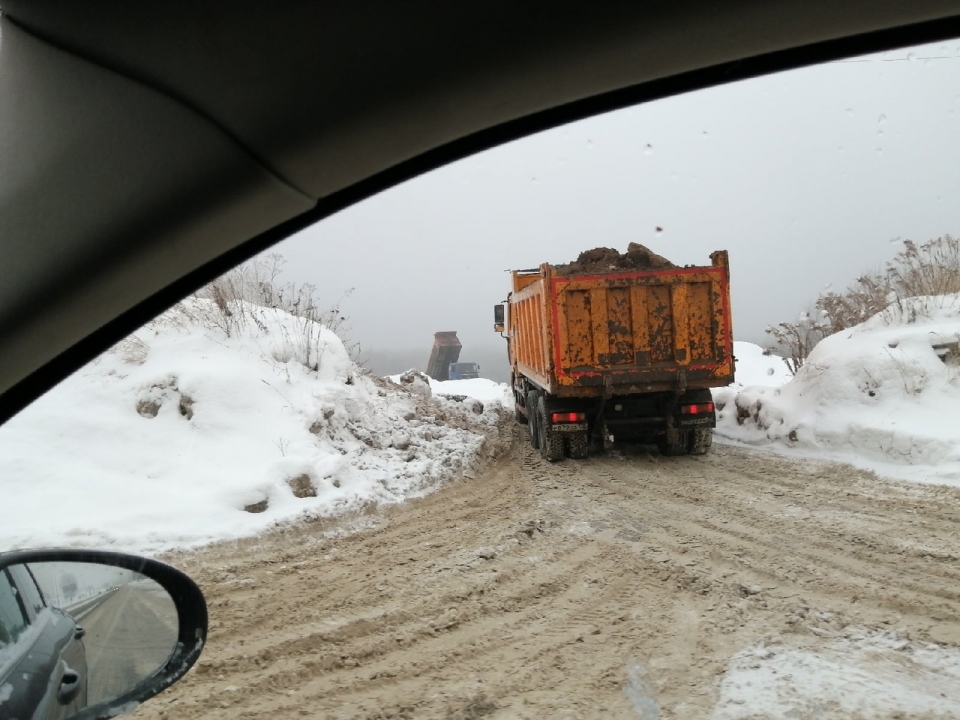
(22, 686)
(43, 671)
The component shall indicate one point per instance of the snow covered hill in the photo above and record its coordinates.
(182, 435)
(884, 395)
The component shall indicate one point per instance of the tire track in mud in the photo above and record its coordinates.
(540, 590)
(833, 553)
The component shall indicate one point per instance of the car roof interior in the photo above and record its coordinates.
(148, 147)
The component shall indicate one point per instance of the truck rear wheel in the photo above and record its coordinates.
(551, 443)
(700, 441)
(552, 446)
(533, 419)
(577, 445)
(681, 447)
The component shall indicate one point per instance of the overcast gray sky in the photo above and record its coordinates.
(805, 177)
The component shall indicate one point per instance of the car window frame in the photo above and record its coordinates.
(8, 581)
(26, 585)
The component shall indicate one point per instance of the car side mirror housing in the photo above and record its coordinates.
(498, 318)
(102, 613)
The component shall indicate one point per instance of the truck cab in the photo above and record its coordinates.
(464, 371)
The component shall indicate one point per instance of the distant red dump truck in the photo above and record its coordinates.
(446, 350)
(618, 346)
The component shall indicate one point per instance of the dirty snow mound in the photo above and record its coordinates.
(862, 673)
(884, 394)
(184, 434)
(482, 397)
(753, 367)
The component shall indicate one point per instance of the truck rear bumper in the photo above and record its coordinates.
(638, 417)
(641, 429)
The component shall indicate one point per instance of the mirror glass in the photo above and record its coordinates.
(76, 634)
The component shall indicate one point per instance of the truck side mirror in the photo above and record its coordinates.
(498, 318)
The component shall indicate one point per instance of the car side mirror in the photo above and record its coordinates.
(93, 633)
(498, 318)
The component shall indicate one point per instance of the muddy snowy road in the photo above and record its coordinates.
(603, 588)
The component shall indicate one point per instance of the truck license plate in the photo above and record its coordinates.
(570, 427)
(695, 422)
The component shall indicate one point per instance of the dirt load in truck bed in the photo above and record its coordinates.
(604, 260)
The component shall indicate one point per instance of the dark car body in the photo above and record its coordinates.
(43, 667)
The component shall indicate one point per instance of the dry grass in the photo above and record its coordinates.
(931, 269)
(243, 299)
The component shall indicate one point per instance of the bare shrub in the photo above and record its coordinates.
(244, 296)
(132, 350)
(930, 269)
(251, 284)
(795, 340)
(869, 295)
(302, 342)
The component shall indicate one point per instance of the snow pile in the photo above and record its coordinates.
(182, 435)
(884, 395)
(756, 367)
(864, 674)
(486, 391)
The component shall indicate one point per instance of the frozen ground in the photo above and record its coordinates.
(736, 585)
(884, 396)
(182, 435)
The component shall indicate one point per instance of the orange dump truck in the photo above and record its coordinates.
(621, 354)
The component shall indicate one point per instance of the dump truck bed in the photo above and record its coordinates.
(622, 332)
(446, 350)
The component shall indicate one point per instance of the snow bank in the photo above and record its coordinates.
(754, 367)
(863, 673)
(182, 435)
(878, 395)
(486, 391)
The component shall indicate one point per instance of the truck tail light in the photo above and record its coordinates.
(569, 417)
(696, 409)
